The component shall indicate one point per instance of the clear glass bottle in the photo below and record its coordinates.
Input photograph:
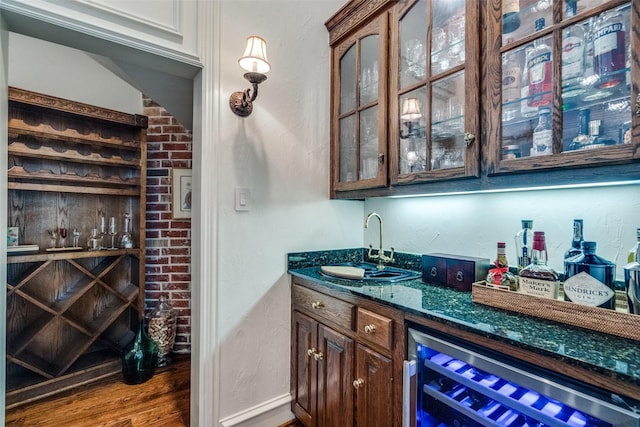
(511, 82)
(538, 278)
(524, 244)
(126, 239)
(584, 117)
(609, 51)
(589, 279)
(576, 242)
(542, 135)
(525, 109)
(162, 329)
(510, 19)
(540, 68)
(572, 49)
(634, 253)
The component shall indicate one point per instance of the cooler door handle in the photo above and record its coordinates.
(409, 393)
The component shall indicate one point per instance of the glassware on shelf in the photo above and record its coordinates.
(524, 243)
(62, 232)
(126, 239)
(53, 237)
(112, 232)
(76, 238)
(162, 329)
(93, 243)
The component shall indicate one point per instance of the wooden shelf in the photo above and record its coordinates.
(71, 311)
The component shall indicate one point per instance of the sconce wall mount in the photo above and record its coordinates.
(254, 61)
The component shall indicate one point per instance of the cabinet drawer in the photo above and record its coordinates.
(374, 328)
(325, 306)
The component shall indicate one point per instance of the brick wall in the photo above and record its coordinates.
(168, 240)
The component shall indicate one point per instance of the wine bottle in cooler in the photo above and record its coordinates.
(589, 279)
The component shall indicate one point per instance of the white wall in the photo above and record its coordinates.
(472, 224)
(60, 71)
(280, 153)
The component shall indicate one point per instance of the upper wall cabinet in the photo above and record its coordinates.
(483, 95)
(167, 29)
(434, 95)
(566, 98)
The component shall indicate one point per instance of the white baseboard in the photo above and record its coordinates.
(271, 413)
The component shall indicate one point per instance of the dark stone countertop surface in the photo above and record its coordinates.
(612, 356)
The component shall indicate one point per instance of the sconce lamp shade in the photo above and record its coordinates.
(410, 109)
(254, 59)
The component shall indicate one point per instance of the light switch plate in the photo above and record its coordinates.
(243, 199)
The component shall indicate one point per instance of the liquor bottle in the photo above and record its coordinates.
(524, 243)
(584, 116)
(595, 138)
(572, 49)
(542, 136)
(589, 279)
(576, 242)
(538, 278)
(634, 253)
(540, 67)
(499, 275)
(588, 79)
(511, 82)
(510, 19)
(526, 110)
(609, 51)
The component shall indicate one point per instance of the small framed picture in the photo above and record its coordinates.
(181, 193)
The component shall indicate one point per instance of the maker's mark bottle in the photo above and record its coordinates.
(538, 278)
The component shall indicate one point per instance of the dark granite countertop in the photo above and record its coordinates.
(612, 356)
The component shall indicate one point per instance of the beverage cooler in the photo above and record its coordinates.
(448, 382)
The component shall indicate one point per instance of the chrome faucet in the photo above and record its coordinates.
(380, 256)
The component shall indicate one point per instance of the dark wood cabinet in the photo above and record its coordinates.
(71, 310)
(344, 364)
(454, 112)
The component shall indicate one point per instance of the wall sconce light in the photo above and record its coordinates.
(410, 114)
(254, 61)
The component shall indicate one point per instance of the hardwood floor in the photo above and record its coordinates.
(163, 401)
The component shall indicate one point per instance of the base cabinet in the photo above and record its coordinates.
(340, 374)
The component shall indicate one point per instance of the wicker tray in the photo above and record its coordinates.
(596, 319)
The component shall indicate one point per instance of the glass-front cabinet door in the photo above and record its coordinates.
(434, 91)
(566, 96)
(359, 109)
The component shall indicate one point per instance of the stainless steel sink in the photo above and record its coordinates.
(371, 273)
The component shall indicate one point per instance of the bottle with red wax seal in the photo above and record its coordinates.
(499, 274)
(538, 278)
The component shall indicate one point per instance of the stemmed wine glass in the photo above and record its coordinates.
(62, 231)
(112, 232)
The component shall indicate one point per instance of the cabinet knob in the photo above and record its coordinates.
(370, 329)
(318, 355)
(311, 352)
(358, 383)
(316, 305)
(469, 138)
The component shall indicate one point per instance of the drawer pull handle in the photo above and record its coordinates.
(311, 352)
(318, 355)
(370, 329)
(358, 383)
(459, 276)
(434, 272)
(316, 305)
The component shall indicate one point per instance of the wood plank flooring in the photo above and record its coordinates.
(163, 401)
